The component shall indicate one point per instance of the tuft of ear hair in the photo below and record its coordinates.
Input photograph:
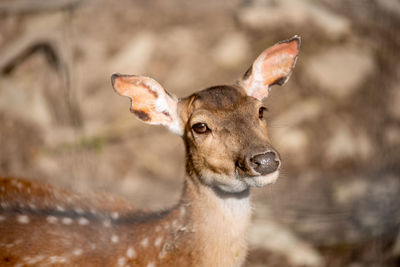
(273, 66)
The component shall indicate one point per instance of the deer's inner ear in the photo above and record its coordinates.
(273, 66)
(149, 100)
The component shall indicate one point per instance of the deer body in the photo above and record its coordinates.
(71, 233)
(227, 152)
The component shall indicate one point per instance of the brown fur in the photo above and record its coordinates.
(236, 130)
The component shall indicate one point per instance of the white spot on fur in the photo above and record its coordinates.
(67, 221)
(57, 259)
(32, 206)
(60, 208)
(158, 228)
(114, 239)
(174, 223)
(166, 226)
(23, 219)
(79, 210)
(51, 219)
(26, 258)
(2, 218)
(144, 242)
(21, 205)
(121, 261)
(162, 254)
(107, 223)
(182, 211)
(40, 258)
(33, 260)
(131, 253)
(29, 260)
(157, 243)
(77, 252)
(10, 245)
(83, 221)
(4, 205)
(115, 215)
(151, 264)
(17, 184)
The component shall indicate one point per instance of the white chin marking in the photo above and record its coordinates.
(262, 180)
(234, 187)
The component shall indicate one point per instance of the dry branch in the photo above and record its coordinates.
(33, 6)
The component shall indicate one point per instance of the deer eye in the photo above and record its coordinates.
(261, 111)
(200, 128)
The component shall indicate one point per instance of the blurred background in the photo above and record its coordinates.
(336, 122)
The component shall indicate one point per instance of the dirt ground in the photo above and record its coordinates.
(336, 122)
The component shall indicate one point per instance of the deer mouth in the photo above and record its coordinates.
(241, 180)
(255, 179)
(262, 180)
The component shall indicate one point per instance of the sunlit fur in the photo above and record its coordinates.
(236, 132)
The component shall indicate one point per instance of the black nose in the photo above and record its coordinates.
(265, 163)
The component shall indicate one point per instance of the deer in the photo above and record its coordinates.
(228, 151)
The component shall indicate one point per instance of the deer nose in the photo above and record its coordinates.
(265, 163)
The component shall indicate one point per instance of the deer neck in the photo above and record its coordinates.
(219, 223)
(206, 228)
(206, 201)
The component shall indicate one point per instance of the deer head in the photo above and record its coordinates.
(225, 134)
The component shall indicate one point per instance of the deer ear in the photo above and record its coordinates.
(273, 66)
(149, 101)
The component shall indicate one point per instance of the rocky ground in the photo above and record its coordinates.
(336, 122)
